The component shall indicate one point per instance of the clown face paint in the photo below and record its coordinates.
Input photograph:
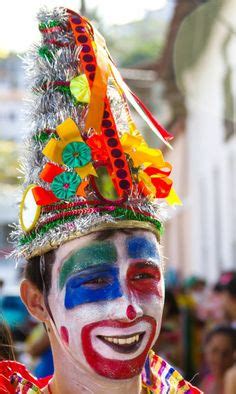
(107, 301)
(91, 275)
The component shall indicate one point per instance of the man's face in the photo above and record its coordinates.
(107, 300)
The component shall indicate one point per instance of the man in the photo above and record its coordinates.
(91, 220)
(102, 311)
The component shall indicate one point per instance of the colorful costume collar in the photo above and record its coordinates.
(158, 377)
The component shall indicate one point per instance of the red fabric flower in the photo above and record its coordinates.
(98, 147)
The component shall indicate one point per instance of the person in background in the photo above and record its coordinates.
(219, 351)
(230, 380)
(229, 300)
(38, 346)
(6, 343)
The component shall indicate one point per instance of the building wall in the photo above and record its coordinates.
(12, 86)
(212, 156)
(177, 240)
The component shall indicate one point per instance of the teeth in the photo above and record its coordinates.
(123, 341)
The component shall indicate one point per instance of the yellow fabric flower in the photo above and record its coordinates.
(68, 132)
(145, 157)
(80, 89)
(140, 153)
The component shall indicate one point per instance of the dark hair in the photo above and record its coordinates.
(42, 280)
(227, 282)
(33, 271)
(6, 343)
(231, 288)
(227, 331)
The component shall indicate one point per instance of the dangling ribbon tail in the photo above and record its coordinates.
(141, 109)
(167, 136)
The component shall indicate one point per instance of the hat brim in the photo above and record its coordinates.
(122, 224)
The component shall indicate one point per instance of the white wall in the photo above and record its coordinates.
(211, 157)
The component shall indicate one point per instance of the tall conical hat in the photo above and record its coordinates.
(86, 165)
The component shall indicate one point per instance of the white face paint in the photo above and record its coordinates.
(107, 301)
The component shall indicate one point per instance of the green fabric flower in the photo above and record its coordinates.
(76, 154)
(64, 185)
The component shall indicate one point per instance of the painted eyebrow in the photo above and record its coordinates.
(141, 247)
(93, 254)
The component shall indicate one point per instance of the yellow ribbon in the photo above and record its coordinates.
(173, 198)
(144, 156)
(140, 153)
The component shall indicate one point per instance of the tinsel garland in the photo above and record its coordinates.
(118, 213)
(43, 136)
(49, 24)
(123, 213)
(46, 53)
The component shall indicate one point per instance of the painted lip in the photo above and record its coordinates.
(117, 368)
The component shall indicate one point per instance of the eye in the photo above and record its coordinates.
(97, 282)
(144, 275)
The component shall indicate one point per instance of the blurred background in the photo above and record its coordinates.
(179, 57)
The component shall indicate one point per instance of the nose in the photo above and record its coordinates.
(124, 310)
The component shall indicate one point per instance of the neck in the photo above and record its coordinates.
(70, 378)
(69, 385)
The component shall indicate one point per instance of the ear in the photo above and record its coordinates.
(33, 300)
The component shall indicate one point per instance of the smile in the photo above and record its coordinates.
(118, 350)
(125, 343)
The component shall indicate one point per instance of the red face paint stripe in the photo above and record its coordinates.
(145, 280)
(64, 334)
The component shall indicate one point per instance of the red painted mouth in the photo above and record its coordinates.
(112, 368)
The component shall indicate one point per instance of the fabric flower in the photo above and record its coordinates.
(64, 185)
(139, 151)
(54, 150)
(79, 88)
(98, 148)
(153, 172)
(76, 154)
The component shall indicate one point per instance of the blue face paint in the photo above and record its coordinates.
(141, 248)
(98, 283)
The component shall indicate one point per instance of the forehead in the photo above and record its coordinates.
(220, 340)
(133, 243)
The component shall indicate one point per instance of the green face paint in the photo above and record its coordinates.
(93, 254)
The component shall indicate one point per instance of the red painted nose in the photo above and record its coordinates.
(131, 313)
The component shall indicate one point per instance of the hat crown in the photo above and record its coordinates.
(87, 164)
